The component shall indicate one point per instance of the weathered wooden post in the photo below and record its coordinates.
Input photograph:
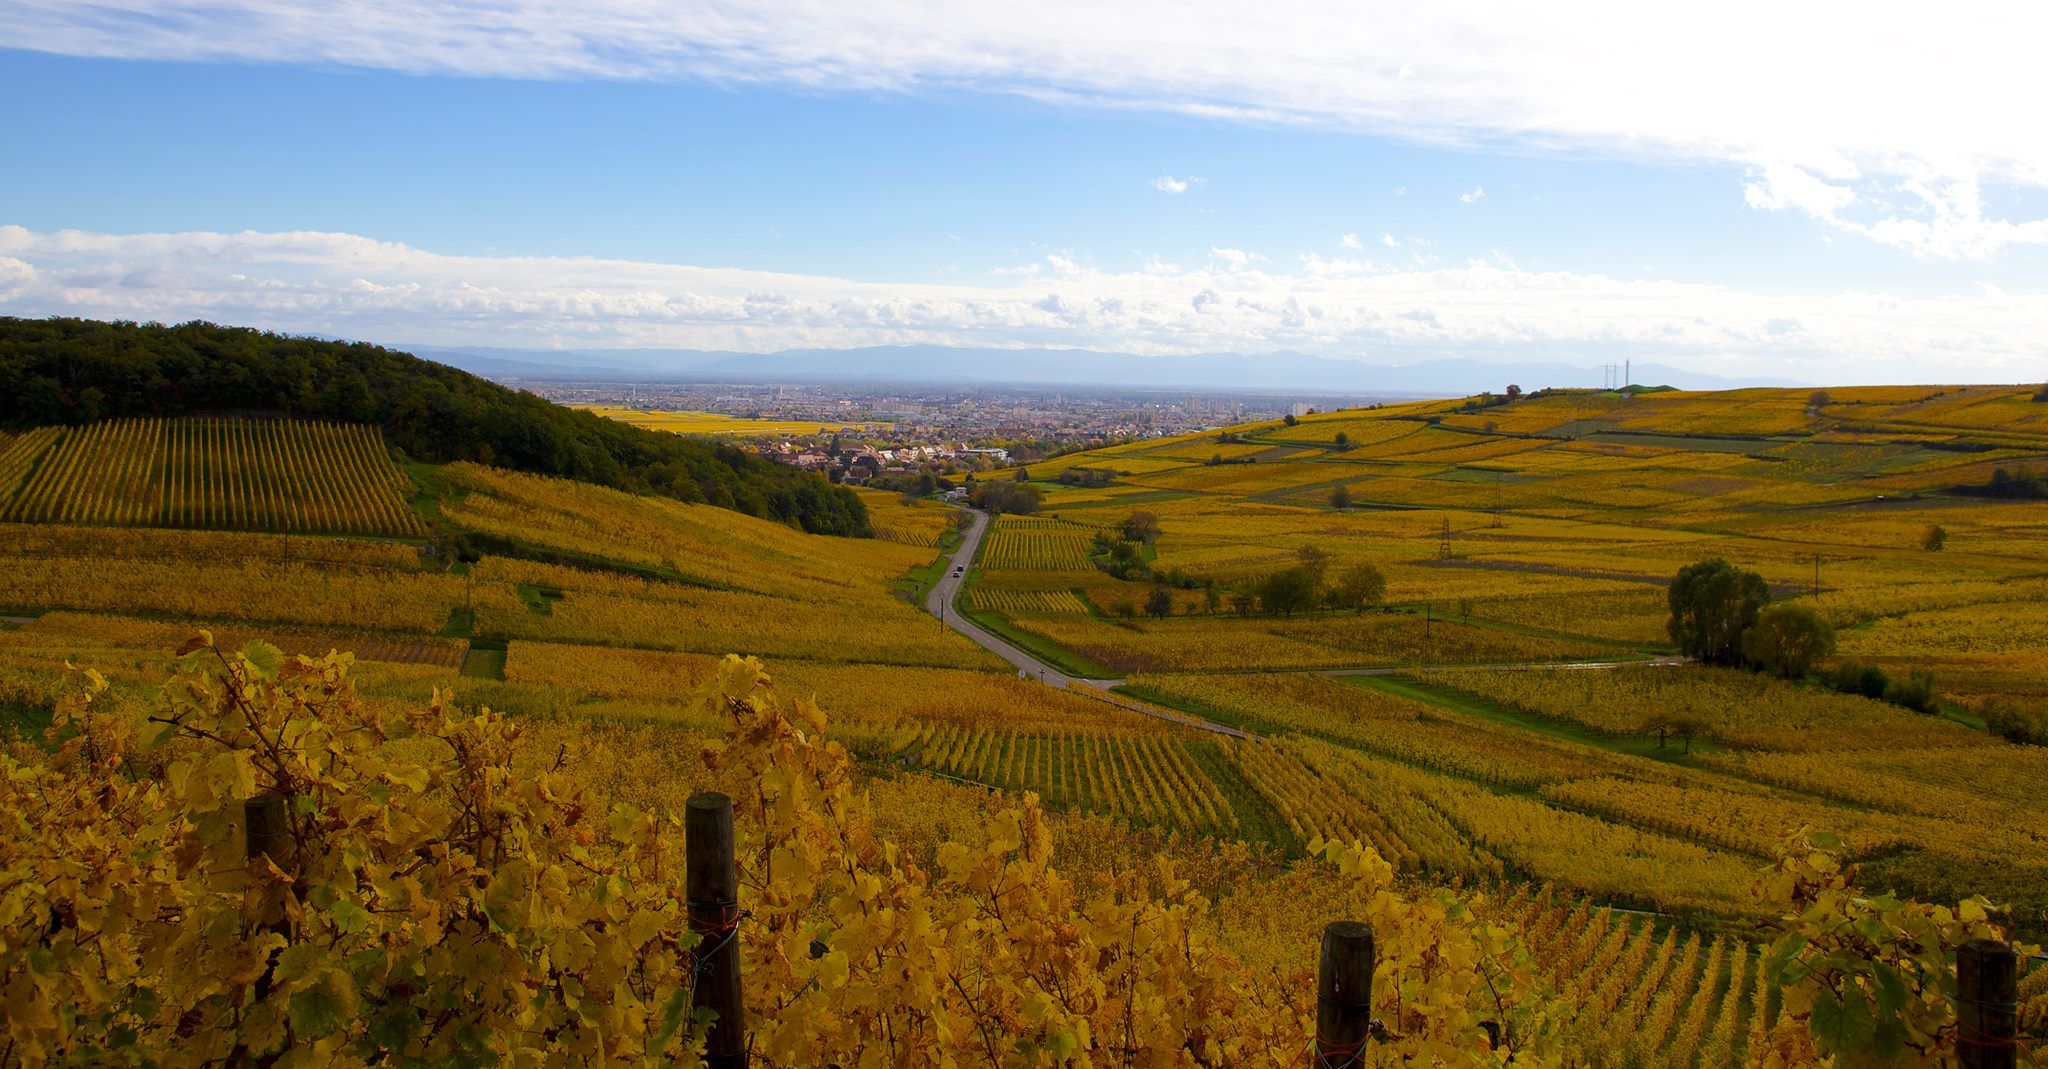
(713, 888)
(266, 833)
(1987, 1005)
(263, 827)
(1344, 995)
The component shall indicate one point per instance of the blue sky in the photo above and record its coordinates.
(601, 176)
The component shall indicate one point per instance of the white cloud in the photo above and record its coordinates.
(1168, 184)
(1390, 241)
(342, 284)
(1828, 88)
(1938, 218)
(1350, 241)
(1234, 259)
(1477, 192)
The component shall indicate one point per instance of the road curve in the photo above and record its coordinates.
(940, 603)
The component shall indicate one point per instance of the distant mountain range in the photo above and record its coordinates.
(934, 364)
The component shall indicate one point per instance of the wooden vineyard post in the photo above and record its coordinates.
(1344, 995)
(1987, 1007)
(713, 888)
(264, 828)
(265, 833)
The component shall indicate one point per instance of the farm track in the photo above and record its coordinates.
(940, 602)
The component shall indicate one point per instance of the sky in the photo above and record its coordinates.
(1821, 192)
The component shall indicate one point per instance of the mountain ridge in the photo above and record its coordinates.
(1281, 370)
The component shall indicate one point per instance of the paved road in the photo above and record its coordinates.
(939, 602)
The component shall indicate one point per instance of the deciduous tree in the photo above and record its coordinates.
(1712, 604)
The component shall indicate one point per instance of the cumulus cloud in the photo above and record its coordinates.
(1390, 241)
(343, 284)
(1477, 192)
(1234, 259)
(1928, 216)
(1168, 184)
(1350, 241)
(1823, 89)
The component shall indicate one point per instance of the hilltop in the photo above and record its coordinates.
(76, 371)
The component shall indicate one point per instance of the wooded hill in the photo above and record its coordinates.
(70, 371)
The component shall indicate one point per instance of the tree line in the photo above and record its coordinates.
(72, 371)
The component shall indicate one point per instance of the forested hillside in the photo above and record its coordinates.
(71, 371)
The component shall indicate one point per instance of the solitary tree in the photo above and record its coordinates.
(1687, 727)
(1712, 604)
(1159, 604)
(1340, 499)
(1361, 587)
(1289, 419)
(1935, 538)
(1288, 591)
(1787, 640)
(1514, 391)
(1315, 562)
(1343, 440)
(1141, 526)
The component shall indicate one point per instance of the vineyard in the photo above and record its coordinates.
(1155, 780)
(1616, 836)
(1028, 600)
(1036, 545)
(255, 475)
(1690, 1002)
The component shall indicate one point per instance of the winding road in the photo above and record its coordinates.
(940, 603)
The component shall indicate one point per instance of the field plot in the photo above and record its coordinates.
(1014, 601)
(921, 524)
(1155, 780)
(260, 475)
(1028, 544)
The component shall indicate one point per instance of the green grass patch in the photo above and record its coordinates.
(22, 721)
(1414, 689)
(539, 600)
(919, 581)
(461, 623)
(486, 659)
